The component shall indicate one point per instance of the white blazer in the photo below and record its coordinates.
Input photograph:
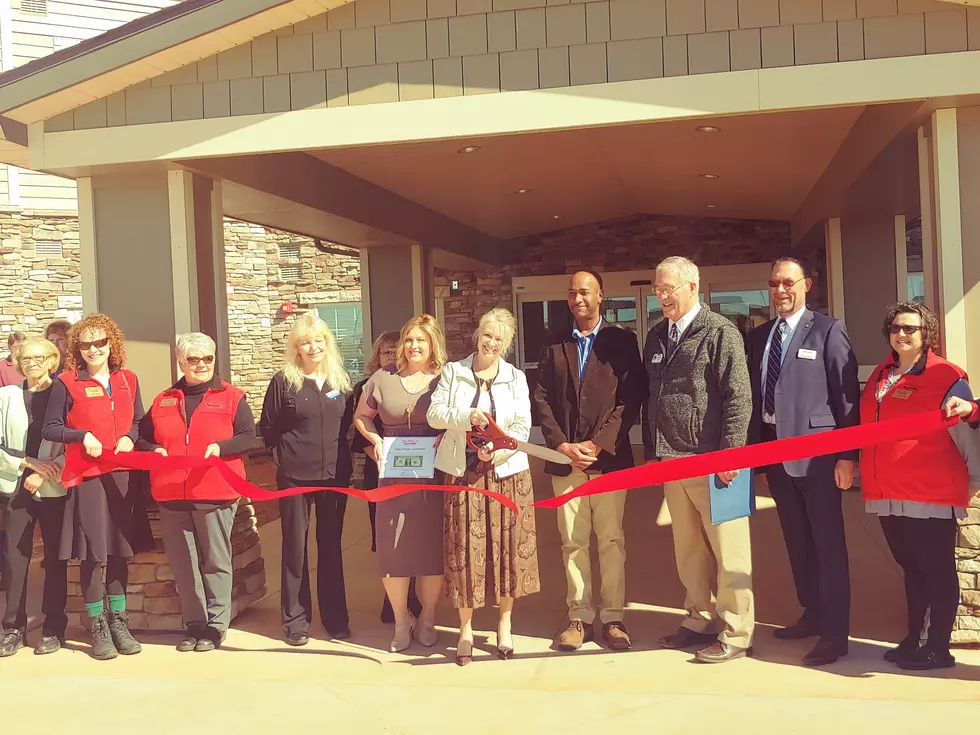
(452, 403)
(13, 441)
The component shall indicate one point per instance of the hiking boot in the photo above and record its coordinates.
(121, 637)
(102, 646)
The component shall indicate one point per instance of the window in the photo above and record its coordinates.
(345, 322)
(48, 248)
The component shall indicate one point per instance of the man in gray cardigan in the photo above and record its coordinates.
(700, 401)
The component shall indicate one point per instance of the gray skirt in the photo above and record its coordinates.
(409, 532)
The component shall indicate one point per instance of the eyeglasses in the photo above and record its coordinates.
(33, 359)
(785, 283)
(907, 329)
(661, 294)
(100, 343)
(195, 361)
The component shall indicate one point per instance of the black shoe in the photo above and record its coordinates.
(341, 635)
(387, 614)
(905, 649)
(189, 641)
(297, 639)
(121, 637)
(687, 638)
(204, 645)
(103, 648)
(825, 652)
(13, 641)
(925, 659)
(414, 606)
(210, 640)
(48, 644)
(719, 653)
(798, 630)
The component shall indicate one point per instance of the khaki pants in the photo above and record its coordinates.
(577, 519)
(699, 548)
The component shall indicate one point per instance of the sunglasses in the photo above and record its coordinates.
(33, 360)
(785, 283)
(195, 361)
(907, 329)
(100, 343)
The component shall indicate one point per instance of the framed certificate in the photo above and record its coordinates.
(408, 457)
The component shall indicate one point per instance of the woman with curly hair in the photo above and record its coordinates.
(94, 410)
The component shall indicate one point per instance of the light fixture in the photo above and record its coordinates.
(710, 176)
(469, 149)
(556, 216)
(712, 206)
(707, 129)
(522, 191)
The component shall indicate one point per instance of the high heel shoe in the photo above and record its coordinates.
(425, 633)
(504, 652)
(464, 652)
(402, 639)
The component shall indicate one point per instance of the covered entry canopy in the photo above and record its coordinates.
(444, 133)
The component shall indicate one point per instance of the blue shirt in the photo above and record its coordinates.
(585, 343)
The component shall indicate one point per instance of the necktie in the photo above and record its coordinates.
(774, 365)
(674, 338)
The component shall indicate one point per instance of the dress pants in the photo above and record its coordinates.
(925, 548)
(813, 528)
(295, 512)
(198, 544)
(707, 554)
(24, 512)
(577, 519)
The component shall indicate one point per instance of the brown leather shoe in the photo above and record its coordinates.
(687, 638)
(616, 637)
(575, 635)
(719, 653)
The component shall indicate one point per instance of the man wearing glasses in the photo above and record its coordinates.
(700, 401)
(805, 381)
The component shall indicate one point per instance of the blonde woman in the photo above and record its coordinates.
(305, 418)
(30, 470)
(409, 528)
(488, 549)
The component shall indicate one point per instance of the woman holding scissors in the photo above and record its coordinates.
(487, 547)
(408, 527)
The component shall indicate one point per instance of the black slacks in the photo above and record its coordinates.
(925, 548)
(295, 512)
(812, 521)
(24, 513)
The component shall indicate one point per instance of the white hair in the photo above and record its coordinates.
(685, 268)
(500, 323)
(194, 342)
(331, 369)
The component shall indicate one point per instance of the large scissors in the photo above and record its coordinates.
(478, 436)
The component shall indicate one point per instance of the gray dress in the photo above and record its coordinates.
(409, 528)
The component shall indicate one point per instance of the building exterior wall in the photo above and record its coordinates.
(374, 51)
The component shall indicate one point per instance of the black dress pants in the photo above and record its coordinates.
(925, 548)
(295, 512)
(812, 521)
(24, 512)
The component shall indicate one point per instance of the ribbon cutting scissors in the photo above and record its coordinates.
(491, 433)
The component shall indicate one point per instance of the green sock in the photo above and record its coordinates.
(94, 609)
(117, 603)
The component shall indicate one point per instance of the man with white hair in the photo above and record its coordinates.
(700, 401)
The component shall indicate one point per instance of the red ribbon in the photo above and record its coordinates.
(759, 455)
(756, 455)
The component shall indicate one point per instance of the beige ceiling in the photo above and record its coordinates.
(766, 164)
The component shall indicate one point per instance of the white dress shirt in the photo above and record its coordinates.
(791, 323)
(684, 322)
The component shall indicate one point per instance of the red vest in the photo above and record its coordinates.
(107, 417)
(212, 421)
(928, 469)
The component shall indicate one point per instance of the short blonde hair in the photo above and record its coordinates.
(500, 323)
(51, 354)
(438, 356)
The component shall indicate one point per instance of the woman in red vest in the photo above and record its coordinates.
(199, 416)
(919, 487)
(94, 410)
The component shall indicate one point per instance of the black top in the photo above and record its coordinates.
(36, 404)
(56, 428)
(244, 422)
(307, 430)
(359, 444)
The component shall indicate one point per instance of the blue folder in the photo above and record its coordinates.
(729, 502)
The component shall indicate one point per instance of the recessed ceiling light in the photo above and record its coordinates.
(712, 206)
(556, 216)
(469, 149)
(710, 176)
(522, 191)
(707, 129)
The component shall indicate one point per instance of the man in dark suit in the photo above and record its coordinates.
(805, 381)
(588, 394)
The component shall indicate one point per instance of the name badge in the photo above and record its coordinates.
(94, 392)
(902, 394)
(658, 358)
(333, 394)
(168, 402)
(807, 354)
